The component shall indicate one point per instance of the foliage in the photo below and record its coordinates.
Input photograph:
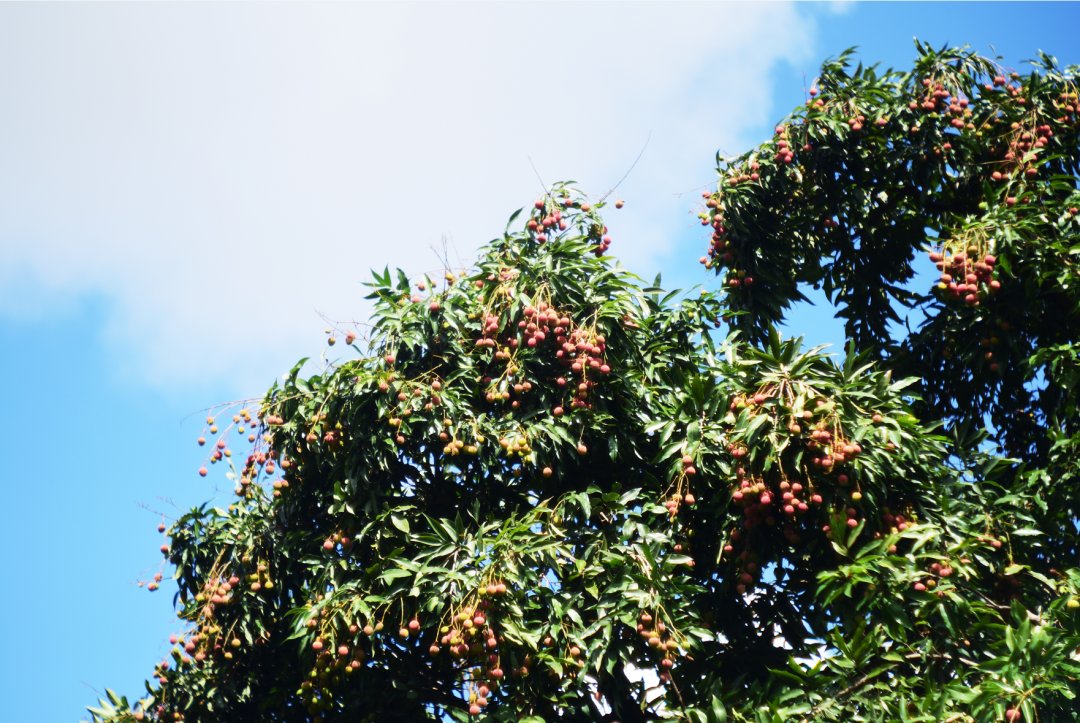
(542, 489)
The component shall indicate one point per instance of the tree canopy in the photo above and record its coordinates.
(542, 489)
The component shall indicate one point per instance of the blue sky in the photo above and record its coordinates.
(187, 192)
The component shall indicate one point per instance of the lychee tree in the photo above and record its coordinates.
(957, 164)
(541, 489)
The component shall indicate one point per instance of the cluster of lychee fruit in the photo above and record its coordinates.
(470, 636)
(748, 569)
(680, 493)
(1068, 102)
(261, 460)
(755, 498)
(855, 119)
(967, 277)
(748, 173)
(936, 97)
(1005, 84)
(786, 503)
(658, 637)
(718, 247)
(785, 153)
(548, 219)
(336, 541)
(1021, 154)
(896, 522)
(470, 633)
(828, 448)
(937, 571)
(766, 505)
(332, 662)
(220, 591)
(413, 395)
(208, 637)
(581, 350)
(721, 249)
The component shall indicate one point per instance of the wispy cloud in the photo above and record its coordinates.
(218, 174)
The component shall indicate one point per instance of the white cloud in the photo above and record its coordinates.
(218, 173)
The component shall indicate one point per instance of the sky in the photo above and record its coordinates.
(190, 194)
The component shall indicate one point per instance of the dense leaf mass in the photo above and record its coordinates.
(540, 489)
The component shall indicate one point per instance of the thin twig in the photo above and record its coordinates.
(631, 168)
(543, 186)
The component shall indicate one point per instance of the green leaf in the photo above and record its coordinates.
(718, 712)
(400, 523)
(394, 573)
